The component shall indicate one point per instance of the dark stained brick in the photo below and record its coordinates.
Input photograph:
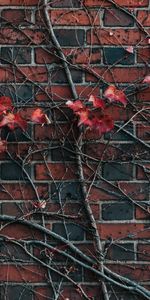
(70, 37)
(117, 55)
(121, 252)
(18, 54)
(74, 232)
(67, 191)
(117, 171)
(117, 211)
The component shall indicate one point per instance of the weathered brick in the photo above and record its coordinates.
(66, 3)
(136, 190)
(143, 251)
(12, 171)
(142, 214)
(143, 55)
(128, 3)
(116, 37)
(117, 211)
(143, 171)
(58, 171)
(19, 16)
(61, 133)
(20, 273)
(22, 191)
(19, 2)
(119, 230)
(74, 17)
(132, 273)
(43, 56)
(115, 17)
(117, 56)
(143, 16)
(143, 95)
(143, 132)
(120, 75)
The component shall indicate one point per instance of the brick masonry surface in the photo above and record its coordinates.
(104, 42)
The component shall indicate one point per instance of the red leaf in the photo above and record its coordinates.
(39, 117)
(103, 125)
(3, 146)
(12, 121)
(97, 102)
(5, 104)
(115, 95)
(75, 106)
(84, 117)
(146, 79)
(19, 122)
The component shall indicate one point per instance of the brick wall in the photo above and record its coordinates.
(41, 163)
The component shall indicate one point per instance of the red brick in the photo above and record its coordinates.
(136, 190)
(143, 96)
(26, 273)
(115, 17)
(142, 214)
(63, 93)
(36, 74)
(103, 191)
(74, 17)
(43, 56)
(101, 151)
(59, 171)
(128, 3)
(138, 272)
(121, 75)
(143, 17)
(143, 252)
(19, 2)
(22, 191)
(119, 231)
(143, 132)
(42, 293)
(19, 231)
(143, 171)
(143, 55)
(117, 37)
(19, 17)
(13, 36)
(61, 132)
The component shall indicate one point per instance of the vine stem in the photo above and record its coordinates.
(58, 48)
(89, 212)
(87, 262)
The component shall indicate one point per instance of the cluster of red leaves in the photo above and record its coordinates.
(14, 120)
(95, 117)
